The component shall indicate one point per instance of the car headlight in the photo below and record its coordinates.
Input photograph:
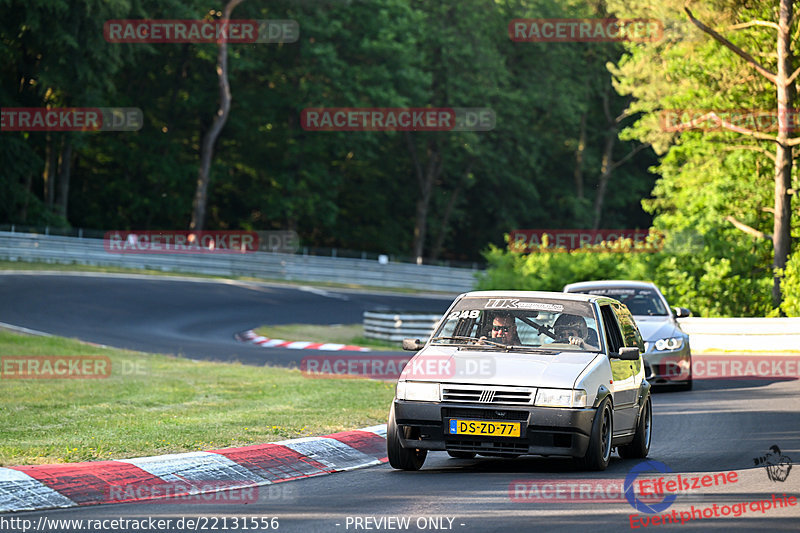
(672, 343)
(560, 398)
(418, 391)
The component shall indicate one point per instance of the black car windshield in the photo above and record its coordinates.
(640, 301)
(522, 323)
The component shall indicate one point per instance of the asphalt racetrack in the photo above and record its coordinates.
(196, 319)
(719, 427)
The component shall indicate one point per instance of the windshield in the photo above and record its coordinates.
(640, 301)
(520, 323)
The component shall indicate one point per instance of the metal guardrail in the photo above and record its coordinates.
(398, 325)
(266, 265)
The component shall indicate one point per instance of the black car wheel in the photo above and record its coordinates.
(399, 457)
(640, 446)
(598, 453)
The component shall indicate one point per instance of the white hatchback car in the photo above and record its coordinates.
(511, 373)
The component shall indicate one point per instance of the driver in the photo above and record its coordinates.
(504, 329)
(572, 329)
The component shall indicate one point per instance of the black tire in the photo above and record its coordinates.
(399, 457)
(640, 445)
(598, 453)
(461, 455)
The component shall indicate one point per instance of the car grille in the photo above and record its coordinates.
(493, 448)
(488, 395)
(483, 414)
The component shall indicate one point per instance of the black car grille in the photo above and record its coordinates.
(490, 395)
(483, 414)
(499, 448)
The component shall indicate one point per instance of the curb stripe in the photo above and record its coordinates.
(36, 487)
(89, 483)
(253, 338)
(366, 442)
(379, 430)
(274, 462)
(195, 466)
(338, 455)
(20, 492)
(330, 346)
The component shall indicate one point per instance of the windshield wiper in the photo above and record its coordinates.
(477, 340)
(455, 338)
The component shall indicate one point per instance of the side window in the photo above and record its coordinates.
(613, 335)
(630, 333)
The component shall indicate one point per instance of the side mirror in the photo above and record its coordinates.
(412, 345)
(628, 354)
(681, 312)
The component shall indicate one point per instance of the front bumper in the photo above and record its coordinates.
(544, 430)
(668, 367)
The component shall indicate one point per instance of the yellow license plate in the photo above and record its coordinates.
(487, 429)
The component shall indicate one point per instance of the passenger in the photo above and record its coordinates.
(572, 329)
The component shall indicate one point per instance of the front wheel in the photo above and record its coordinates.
(640, 445)
(598, 453)
(399, 457)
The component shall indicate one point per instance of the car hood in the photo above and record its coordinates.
(657, 327)
(523, 369)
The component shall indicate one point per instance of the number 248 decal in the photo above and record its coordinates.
(464, 314)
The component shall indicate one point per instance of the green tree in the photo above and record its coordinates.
(702, 69)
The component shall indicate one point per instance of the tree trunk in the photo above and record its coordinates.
(64, 173)
(579, 153)
(207, 147)
(50, 170)
(425, 179)
(448, 212)
(23, 213)
(781, 234)
(606, 168)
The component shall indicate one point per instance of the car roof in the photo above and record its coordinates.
(536, 294)
(623, 283)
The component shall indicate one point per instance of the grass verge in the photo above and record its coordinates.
(339, 333)
(157, 404)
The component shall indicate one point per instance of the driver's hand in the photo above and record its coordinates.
(577, 341)
(483, 338)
